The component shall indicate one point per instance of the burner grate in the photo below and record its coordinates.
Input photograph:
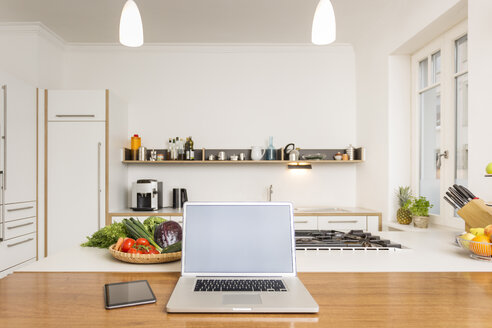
(355, 240)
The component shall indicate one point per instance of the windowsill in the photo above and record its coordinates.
(392, 226)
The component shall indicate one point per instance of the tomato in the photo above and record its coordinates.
(127, 245)
(132, 251)
(140, 252)
(143, 242)
(153, 251)
(152, 247)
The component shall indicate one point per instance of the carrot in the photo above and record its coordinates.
(118, 244)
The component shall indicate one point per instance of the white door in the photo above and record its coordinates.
(75, 182)
(18, 147)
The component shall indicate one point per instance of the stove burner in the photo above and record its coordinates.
(330, 239)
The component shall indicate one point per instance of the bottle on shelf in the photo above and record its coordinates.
(181, 155)
(135, 143)
(187, 149)
(170, 150)
(192, 150)
(271, 152)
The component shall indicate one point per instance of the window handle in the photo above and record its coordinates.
(439, 160)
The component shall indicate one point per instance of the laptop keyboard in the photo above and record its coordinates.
(239, 285)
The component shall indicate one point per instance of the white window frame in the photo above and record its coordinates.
(446, 44)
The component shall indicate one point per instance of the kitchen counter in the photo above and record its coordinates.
(445, 299)
(426, 251)
(298, 211)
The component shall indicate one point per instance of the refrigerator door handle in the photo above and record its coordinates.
(4, 137)
(99, 185)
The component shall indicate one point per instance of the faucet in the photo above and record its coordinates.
(270, 192)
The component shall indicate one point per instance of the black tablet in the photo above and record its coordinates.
(130, 293)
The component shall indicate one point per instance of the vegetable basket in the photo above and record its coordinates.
(144, 258)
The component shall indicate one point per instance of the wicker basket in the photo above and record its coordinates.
(144, 258)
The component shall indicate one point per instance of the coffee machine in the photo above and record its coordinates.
(146, 195)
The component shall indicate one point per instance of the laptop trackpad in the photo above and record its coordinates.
(241, 299)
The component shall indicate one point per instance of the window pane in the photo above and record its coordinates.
(430, 144)
(461, 54)
(461, 174)
(436, 67)
(423, 71)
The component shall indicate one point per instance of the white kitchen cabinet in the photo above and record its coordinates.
(19, 228)
(372, 223)
(76, 105)
(342, 223)
(76, 175)
(18, 172)
(17, 250)
(19, 211)
(305, 222)
(18, 147)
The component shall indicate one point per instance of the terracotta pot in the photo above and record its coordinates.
(420, 221)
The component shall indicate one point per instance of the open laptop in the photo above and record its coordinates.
(239, 257)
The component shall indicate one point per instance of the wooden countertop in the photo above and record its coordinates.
(451, 299)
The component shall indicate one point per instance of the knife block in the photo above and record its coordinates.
(476, 214)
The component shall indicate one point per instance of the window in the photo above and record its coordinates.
(440, 119)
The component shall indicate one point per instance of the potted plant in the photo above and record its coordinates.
(419, 207)
(403, 215)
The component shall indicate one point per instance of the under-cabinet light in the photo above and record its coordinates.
(299, 165)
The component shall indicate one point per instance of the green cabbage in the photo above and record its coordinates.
(151, 222)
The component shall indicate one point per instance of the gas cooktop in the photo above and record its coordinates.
(338, 240)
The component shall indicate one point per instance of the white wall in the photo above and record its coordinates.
(389, 27)
(233, 97)
(480, 96)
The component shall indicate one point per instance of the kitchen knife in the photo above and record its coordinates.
(461, 192)
(450, 202)
(457, 201)
(457, 195)
(468, 192)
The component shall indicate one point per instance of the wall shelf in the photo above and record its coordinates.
(201, 157)
(240, 162)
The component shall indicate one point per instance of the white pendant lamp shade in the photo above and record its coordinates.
(131, 30)
(324, 25)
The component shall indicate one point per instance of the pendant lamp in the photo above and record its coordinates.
(324, 25)
(131, 30)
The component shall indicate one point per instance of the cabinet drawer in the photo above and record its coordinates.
(342, 223)
(76, 105)
(19, 211)
(305, 223)
(19, 227)
(17, 250)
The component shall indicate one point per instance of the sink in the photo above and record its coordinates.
(321, 209)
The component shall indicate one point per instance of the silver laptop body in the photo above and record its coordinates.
(238, 252)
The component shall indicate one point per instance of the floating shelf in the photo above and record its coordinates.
(240, 162)
(201, 157)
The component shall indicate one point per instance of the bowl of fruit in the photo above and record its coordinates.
(477, 243)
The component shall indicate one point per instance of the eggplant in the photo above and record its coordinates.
(168, 233)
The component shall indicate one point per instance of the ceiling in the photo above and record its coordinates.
(187, 21)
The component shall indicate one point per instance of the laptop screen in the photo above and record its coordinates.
(238, 238)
